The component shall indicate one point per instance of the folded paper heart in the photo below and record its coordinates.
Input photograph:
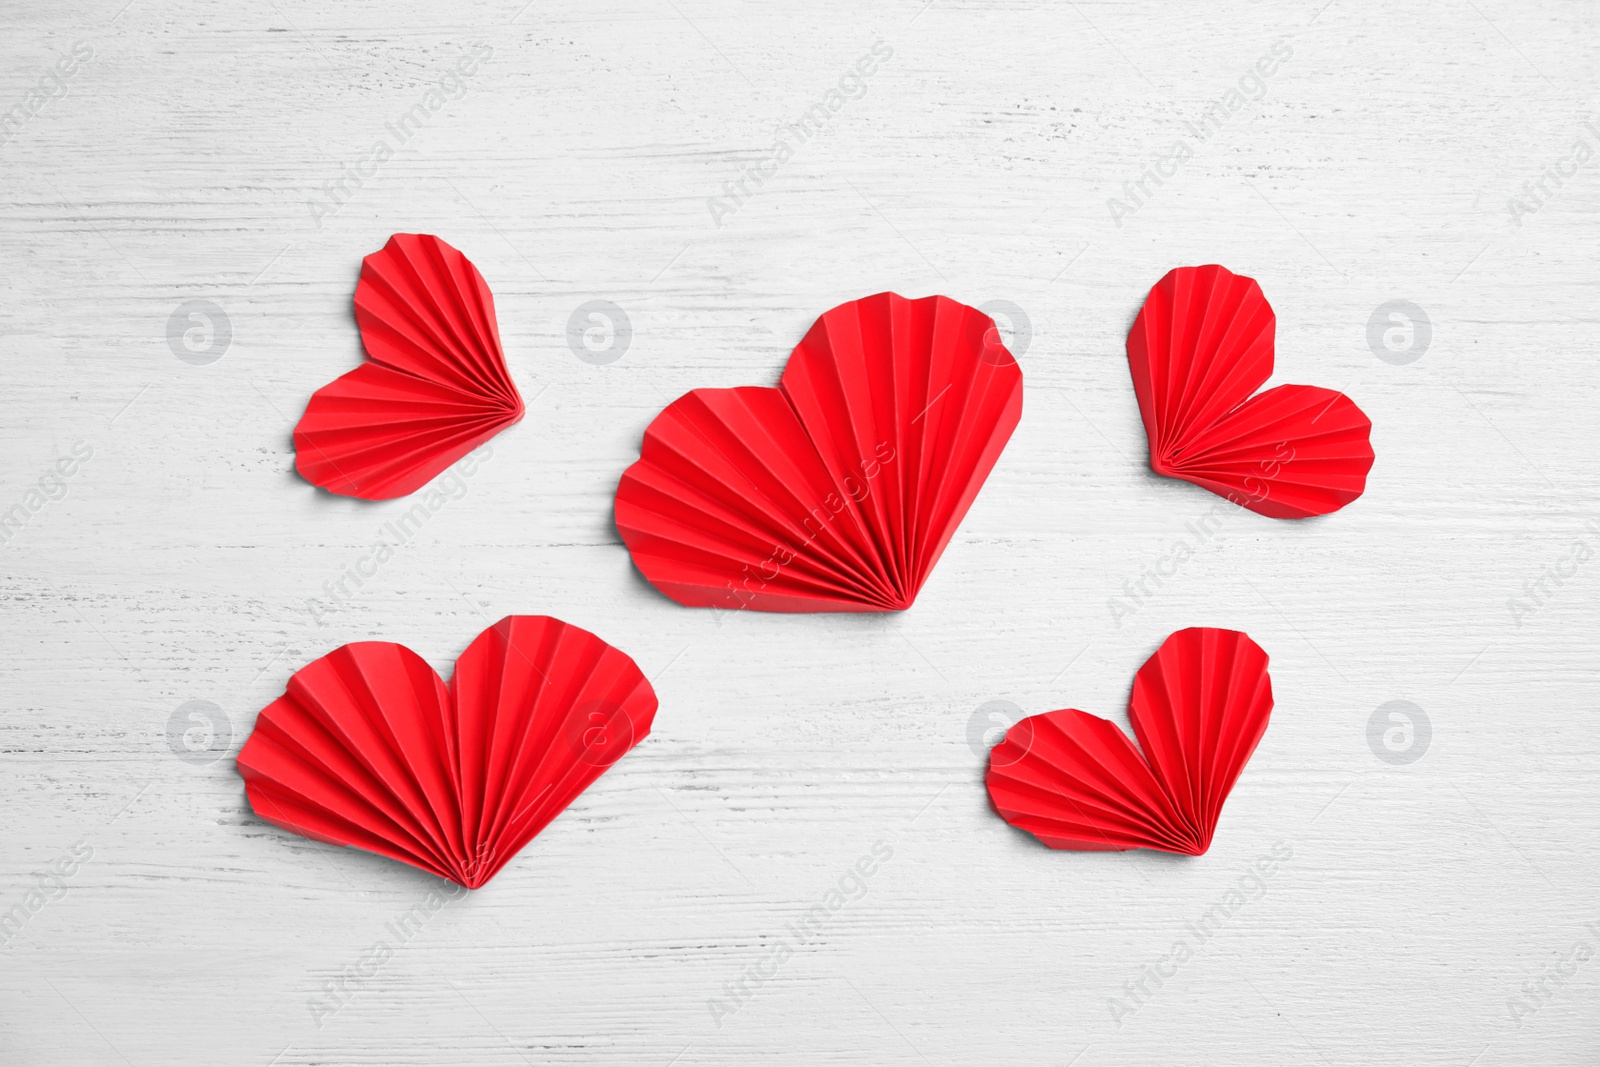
(435, 384)
(839, 489)
(1201, 346)
(369, 748)
(1075, 781)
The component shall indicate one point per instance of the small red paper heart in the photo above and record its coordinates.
(435, 385)
(1075, 781)
(370, 749)
(1200, 347)
(839, 489)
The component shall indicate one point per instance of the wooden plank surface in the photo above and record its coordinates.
(1440, 911)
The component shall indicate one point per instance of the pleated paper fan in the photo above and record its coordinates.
(839, 489)
(1200, 347)
(434, 387)
(369, 748)
(1199, 708)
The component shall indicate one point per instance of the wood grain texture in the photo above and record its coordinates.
(644, 927)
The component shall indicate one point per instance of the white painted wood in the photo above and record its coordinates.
(577, 165)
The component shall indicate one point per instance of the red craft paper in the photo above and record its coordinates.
(1201, 346)
(839, 489)
(369, 748)
(435, 384)
(1075, 781)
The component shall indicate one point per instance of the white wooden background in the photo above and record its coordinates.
(1433, 911)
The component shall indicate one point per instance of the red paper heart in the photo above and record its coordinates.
(1075, 781)
(1200, 347)
(368, 748)
(435, 385)
(839, 489)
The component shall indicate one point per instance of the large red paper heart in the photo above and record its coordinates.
(1200, 347)
(435, 384)
(839, 489)
(368, 747)
(1075, 781)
